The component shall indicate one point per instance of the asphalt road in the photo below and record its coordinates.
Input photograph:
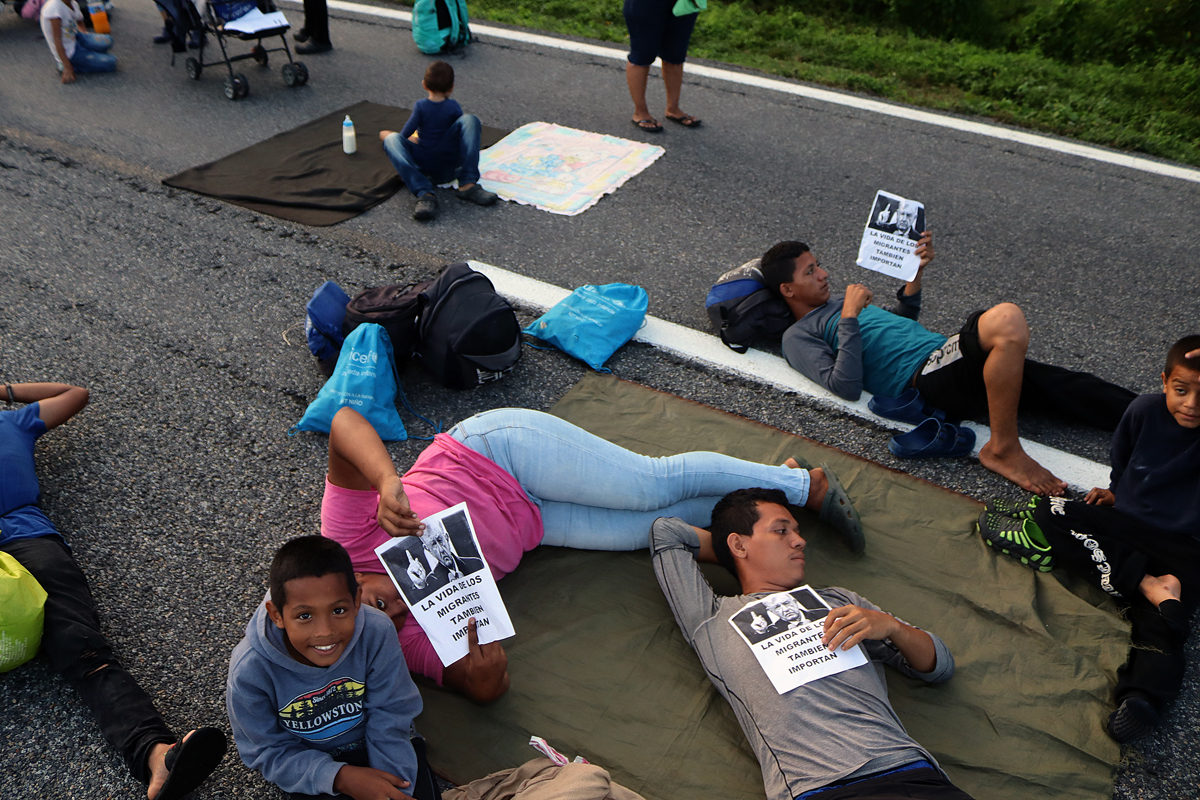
(182, 315)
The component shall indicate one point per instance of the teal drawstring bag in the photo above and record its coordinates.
(22, 613)
(365, 380)
(592, 322)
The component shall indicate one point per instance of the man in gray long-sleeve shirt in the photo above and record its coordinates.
(834, 737)
(847, 345)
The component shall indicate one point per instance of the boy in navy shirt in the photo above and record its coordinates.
(71, 635)
(1138, 540)
(447, 146)
(319, 696)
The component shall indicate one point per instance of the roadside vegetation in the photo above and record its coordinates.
(1122, 73)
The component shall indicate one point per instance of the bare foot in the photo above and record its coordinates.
(1016, 465)
(1160, 588)
(384, 134)
(157, 761)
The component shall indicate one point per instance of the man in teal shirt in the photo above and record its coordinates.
(847, 345)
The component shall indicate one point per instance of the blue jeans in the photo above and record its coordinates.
(91, 53)
(595, 495)
(417, 164)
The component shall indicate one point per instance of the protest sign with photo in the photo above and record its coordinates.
(784, 632)
(445, 581)
(890, 238)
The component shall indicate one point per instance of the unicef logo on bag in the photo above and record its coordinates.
(367, 359)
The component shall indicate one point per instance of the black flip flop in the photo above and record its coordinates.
(687, 120)
(191, 761)
(654, 127)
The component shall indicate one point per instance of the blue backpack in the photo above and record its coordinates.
(592, 322)
(742, 309)
(363, 379)
(439, 26)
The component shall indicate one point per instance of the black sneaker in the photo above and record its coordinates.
(313, 47)
(477, 195)
(1017, 509)
(301, 35)
(165, 36)
(1133, 719)
(1019, 538)
(427, 208)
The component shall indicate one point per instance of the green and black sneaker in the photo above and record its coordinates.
(1019, 538)
(1017, 509)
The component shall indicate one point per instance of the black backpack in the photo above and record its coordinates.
(396, 308)
(742, 309)
(467, 333)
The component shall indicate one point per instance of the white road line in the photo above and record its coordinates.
(764, 368)
(823, 95)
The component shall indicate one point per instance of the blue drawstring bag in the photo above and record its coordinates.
(592, 322)
(363, 379)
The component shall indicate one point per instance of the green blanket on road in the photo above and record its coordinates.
(598, 667)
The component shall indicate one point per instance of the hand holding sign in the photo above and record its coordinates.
(394, 514)
(450, 592)
(482, 674)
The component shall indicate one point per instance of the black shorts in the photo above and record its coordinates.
(952, 378)
(655, 31)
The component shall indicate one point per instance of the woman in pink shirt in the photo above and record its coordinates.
(528, 478)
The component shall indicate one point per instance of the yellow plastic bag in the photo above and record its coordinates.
(22, 612)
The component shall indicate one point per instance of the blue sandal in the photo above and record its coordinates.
(933, 439)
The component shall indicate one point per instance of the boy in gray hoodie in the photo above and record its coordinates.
(319, 696)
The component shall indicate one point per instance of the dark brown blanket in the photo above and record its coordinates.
(302, 175)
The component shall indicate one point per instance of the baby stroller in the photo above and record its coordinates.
(246, 20)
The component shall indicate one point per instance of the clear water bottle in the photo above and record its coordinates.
(349, 143)
(99, 16)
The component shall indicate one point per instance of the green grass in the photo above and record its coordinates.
(1152, 108)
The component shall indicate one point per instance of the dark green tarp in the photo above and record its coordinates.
(598, 667)
(302, 175)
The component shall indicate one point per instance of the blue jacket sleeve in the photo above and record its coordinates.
(1122, 445)
(414, 121)
(907, 305)
(262, 742)
(840, 372)
(392, 703)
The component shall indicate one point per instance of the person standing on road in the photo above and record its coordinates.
(314, 35)
(655, 31)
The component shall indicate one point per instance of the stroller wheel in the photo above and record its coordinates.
(237, 87)
(295, 74)
(194, 68)
(260, 54)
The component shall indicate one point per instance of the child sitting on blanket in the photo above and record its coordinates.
(446, 146)
(315, 697)
(1138, 540)
(74, 50)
